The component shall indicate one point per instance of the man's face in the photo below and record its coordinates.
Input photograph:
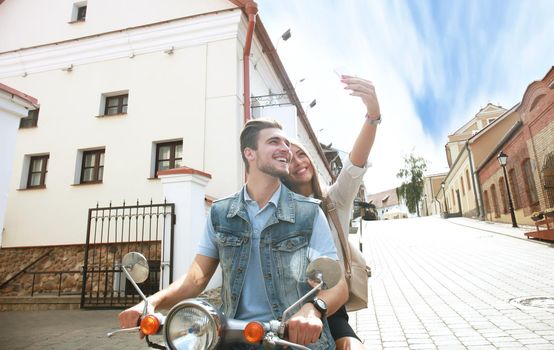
(273, 154)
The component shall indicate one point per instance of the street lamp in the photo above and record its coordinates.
(503, 159)
(444, 194)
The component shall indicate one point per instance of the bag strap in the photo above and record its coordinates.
(345, 247)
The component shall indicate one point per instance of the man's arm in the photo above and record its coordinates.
(188, 286)
(305, 326)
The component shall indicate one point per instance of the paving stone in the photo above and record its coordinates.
(449, 283)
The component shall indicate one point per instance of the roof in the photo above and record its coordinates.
(489, 108)
(384, 199)
(491, 125)
(507, 137)
(26, 98)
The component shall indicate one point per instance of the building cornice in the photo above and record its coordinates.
(126, 43)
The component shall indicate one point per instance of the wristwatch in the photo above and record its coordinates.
(320, 305)
(373, 121)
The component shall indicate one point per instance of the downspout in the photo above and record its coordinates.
(251, 9)
(475, 188)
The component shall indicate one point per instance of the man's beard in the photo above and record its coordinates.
(272, 170)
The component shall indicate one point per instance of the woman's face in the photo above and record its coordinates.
(301, 170)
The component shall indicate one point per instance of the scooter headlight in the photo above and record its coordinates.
(192, 324)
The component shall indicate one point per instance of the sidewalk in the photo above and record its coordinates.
(496, 227)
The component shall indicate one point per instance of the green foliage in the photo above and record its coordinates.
(411, 189)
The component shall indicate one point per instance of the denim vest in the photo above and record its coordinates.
(284, 245)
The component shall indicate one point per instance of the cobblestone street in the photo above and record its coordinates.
(438, 285)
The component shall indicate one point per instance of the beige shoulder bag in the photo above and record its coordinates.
(356, 270)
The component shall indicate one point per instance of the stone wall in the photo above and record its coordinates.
(69, 260)
(62, 258)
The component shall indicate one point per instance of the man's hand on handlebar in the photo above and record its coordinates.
(305, 326)
(131, 318)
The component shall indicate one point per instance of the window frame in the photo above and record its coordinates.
(120, 104)
(512, 182)
(79, 17)
(468, 180)
(43, 171)
(503, 194)
(32, 116)
(529, 182)
(96, 167)
(172, 157)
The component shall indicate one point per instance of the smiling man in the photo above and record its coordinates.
(263, 236)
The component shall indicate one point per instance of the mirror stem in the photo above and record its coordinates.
(137, 289)
(299, 301)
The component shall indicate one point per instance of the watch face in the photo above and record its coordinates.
(320, 305)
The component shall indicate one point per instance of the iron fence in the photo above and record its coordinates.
(114, 231)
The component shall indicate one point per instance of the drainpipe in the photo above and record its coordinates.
(251, 9)
(478, 205)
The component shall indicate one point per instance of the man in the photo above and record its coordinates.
(263, 237)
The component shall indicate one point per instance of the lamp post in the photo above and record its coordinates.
(503, 159)
(444, 194)
(426, 208)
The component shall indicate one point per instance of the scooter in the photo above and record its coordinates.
(196, 324)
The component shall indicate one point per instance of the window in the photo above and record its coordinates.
(169, 155)
(530, 186)
(495, 202)
(512, 181)
(462, 185)
(116, 104)
(503, 196)
(37, 172)
(30, 121)
(92, 169)
(468, 181)
(487, 203)
(81, 13)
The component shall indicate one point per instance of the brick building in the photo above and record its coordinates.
(529, 144)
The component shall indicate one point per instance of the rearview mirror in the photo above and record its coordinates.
(136, 265)
(324, 269)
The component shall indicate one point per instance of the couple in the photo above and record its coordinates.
(265, 235)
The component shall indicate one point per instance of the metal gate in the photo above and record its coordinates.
(112, 232)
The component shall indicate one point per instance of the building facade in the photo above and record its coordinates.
(158, 88)
(125, 93)
(432, 188)
(529, 145)
(14, 108)
(459, 196)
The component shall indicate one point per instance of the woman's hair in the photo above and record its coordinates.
(318, 191)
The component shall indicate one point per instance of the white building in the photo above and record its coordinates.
(117, 87)
(14, 106)
(126, 91)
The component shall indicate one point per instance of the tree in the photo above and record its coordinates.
(411, 189)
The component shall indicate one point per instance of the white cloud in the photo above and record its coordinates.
(478, 53)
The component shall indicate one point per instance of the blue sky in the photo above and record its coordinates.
(434, 65)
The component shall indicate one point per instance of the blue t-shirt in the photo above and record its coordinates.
(321, 244)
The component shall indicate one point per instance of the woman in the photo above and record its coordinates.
(303, 179)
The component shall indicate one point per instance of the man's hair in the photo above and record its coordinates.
(249, 135)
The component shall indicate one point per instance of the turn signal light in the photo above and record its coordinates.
(254, 332)
(149, 325)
